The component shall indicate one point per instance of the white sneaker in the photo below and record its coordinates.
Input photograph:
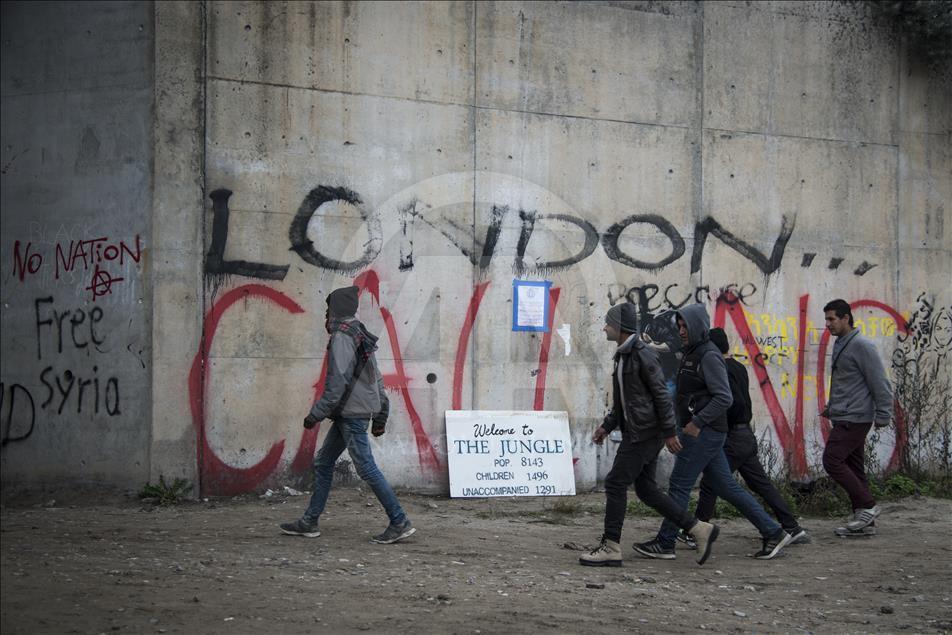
(862, 518)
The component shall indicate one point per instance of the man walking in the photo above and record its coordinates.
(860, 397)
(353, 395)
(741, 449)
(703, 397)
(641, 408)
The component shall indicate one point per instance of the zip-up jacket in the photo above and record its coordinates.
(703, 392)
(859, 389)
(367, 398)
(641, 404)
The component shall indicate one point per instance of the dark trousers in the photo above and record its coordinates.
(636, 463)
(741, 452)
(843, 460)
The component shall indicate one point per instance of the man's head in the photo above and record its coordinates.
(693, 323)
(620, 322)
(342, 303)
(719, 338)
(839, 317)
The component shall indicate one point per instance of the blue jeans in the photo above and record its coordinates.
(350, 434)
(706, 454)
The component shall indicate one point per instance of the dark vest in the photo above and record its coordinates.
(692, 393)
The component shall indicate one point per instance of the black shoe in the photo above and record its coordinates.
(300, 527)
(774, 545)
(799, 536)
(654, 549)
(687, 540)
(393, 533)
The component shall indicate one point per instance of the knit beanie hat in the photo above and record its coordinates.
(719, 337)
(623, 317)
(342, 302)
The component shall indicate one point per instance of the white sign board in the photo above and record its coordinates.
(509, 453)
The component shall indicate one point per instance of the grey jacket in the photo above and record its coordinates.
(368, 397)
(859, 391)
(700, 352)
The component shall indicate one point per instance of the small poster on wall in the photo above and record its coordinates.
(530, 305)
(509, 453)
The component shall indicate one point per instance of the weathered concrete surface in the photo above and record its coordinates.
(77, 201)
(789, 153)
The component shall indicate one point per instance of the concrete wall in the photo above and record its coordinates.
(787, 152)
(76, 144)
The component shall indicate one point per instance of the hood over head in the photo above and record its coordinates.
(697, 321)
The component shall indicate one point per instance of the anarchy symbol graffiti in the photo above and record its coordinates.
(101, 283)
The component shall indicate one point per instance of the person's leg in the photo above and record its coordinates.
(736, 452)
(844, 449)
(324, 462)
(757, 480)
(617, 481)
(648, 491)
(688, 465)
(358, 446)
(722, 480)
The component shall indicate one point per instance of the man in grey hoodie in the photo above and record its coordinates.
(860, 397)
(702, 399)
(353, 396)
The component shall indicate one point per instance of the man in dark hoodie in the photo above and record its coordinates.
(741, 449)
(703, 397)
(641, 407)
(353, 396)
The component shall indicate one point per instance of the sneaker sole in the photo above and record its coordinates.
(603, 563)
(656, 556)
(802, 538)
(859, 526)
(310, 534)
(777, 548)
(405, 534)
(702, 557)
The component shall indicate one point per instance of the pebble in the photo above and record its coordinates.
(886, 610)
(740, 614)
(594, 585)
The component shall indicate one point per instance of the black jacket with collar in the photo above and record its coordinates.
(647, 399)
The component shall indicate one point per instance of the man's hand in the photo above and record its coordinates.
(378, 427)
(310, 421)
(692, 429)
(881, 424)
(599, 435)
(673, 444)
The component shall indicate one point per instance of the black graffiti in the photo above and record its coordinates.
(81, 330)
(15, 428)
(304, 247)
(215, 262)
(479, 252)
(650, 297)
(613, 250)
(104, 393)
(767, 265)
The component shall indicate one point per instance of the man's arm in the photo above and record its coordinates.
(653, 378)
(380, 418)
(340, 370)
(875, 375)
(714, 371)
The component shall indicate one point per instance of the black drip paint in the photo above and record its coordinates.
(613, 233)
(215, 262)
(766, 265)
(305, 247)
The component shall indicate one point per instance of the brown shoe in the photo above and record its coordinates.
(705, 534)
(607, 554)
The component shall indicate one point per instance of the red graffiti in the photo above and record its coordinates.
(462, 347)
(215, 476)
(544, 352)
(792, 441)
(900, 416)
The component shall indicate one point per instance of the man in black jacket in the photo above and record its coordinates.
(642, 409)
(741, 449)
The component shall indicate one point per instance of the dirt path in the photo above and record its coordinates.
(474, 566)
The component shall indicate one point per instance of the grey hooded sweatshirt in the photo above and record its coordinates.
(368, 397)
(702, 384)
